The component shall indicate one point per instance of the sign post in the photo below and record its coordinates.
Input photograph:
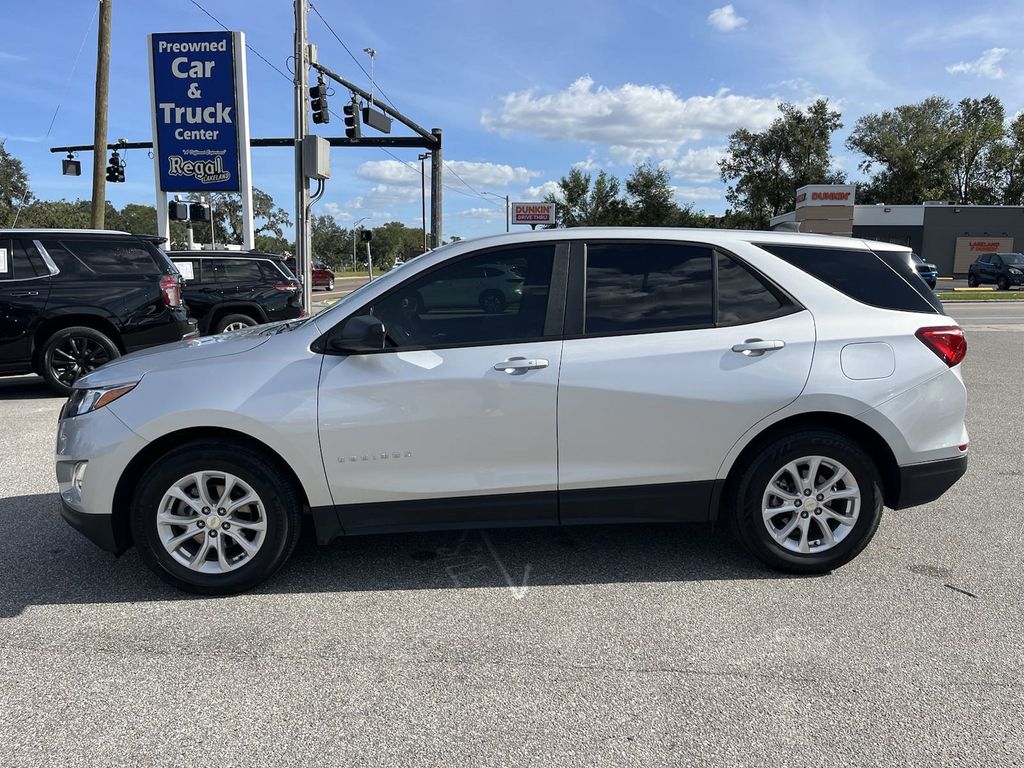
(200, 115)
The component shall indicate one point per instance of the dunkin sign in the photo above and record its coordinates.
(825, 194)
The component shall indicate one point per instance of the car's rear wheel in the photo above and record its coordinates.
(808, 502)
(70, 353)
(972, 281)
(492, 302)
(234, 322)
(215, 518)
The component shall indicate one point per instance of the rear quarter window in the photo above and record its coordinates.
(885, 279)
(117, 258)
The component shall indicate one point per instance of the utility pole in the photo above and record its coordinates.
(303, 230)
(423, 198)
(436, 236)
(99, 139)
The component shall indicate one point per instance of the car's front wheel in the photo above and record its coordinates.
(1002, 283)
(492, 302)
(808, 502)
(330, 284)
(215, 518)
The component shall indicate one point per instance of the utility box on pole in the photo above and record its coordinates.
(316, 157)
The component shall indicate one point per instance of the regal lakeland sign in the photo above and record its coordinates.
(200, 137)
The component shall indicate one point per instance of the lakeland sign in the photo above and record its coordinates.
(201, 140)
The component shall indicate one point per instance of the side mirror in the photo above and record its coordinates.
(358, 335)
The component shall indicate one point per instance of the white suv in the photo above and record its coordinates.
(786, 385)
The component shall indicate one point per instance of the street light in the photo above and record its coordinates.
(505, 198)
(423, 197)
(355, 224)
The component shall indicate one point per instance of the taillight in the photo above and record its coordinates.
(286, 287)
(948, 342)
(170, 290)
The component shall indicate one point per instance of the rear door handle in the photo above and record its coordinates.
(23, 294)
(756, 347)
(520, 365)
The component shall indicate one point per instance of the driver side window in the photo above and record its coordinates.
(497, 297)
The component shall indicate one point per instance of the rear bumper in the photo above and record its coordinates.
(921, 483)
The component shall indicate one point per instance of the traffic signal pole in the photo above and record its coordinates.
(303, 225)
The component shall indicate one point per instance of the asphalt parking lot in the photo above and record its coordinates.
(593, 646)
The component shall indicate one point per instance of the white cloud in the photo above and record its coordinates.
(635, 122)
(394, 172)
(543, 190)
(986, 65)
(696, 164)
(724, 19)
(689, 194)
(487, 214)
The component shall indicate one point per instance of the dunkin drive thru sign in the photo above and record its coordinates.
(533, 213)
(199, 112)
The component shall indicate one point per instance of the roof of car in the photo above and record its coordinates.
(723, 236)
(52, 231)
(224, 255)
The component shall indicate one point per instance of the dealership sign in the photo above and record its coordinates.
(825, 194)
(533, 213)
(200, 114)
(967, 249)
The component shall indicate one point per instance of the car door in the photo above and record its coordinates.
(24, 289)
(453, 422)
(661, 375)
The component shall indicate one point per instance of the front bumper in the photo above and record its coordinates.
(99, 529)
(921, 483)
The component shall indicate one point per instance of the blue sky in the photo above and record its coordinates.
(522, 91)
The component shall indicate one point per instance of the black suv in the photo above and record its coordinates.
(71, 300)
(229, 290)
(1003, 269)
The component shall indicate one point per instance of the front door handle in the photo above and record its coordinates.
(520, 365)
(756, 347)
(23, 294)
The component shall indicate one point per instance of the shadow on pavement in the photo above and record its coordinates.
(26, 388)
(45, 562)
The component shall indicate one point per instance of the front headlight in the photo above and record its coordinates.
(88, 400)
(1015, 271)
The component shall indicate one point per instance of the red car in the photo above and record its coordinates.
(323, 276)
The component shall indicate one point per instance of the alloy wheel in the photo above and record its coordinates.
(211, 522)
(235, 326)
(811, 504)
(76, 356)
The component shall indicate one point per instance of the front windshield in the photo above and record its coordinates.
(1013, 259)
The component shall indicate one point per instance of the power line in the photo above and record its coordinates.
(74, 66)
(349, 52)
(258, 54)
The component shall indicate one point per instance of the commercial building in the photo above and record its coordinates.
(949, 235)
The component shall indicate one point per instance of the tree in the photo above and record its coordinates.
(651, 198)
(908, 152)
(1008, 159)
(14, 190)
(764, 169)
(393, 241)
(976, 129)
(268, 218)
(332, 243)
(585, 204)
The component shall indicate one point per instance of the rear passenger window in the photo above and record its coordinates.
(861, 275)
(233, 271)
(744, 297)
(642, 287)
(69, 266)
(113, 257)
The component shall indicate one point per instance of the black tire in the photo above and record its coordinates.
(281, 504)
(73, 352)
(972, 281)
(744, 501)
(238, 317)
(330, 284)
(492, 302)
(1002, 283)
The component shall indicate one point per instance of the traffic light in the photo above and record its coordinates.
(199, 212)
(115, 170)
(351, 111)
(318, 103)
(177, 211)
(366, 235)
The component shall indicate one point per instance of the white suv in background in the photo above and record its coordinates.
(787, 385)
